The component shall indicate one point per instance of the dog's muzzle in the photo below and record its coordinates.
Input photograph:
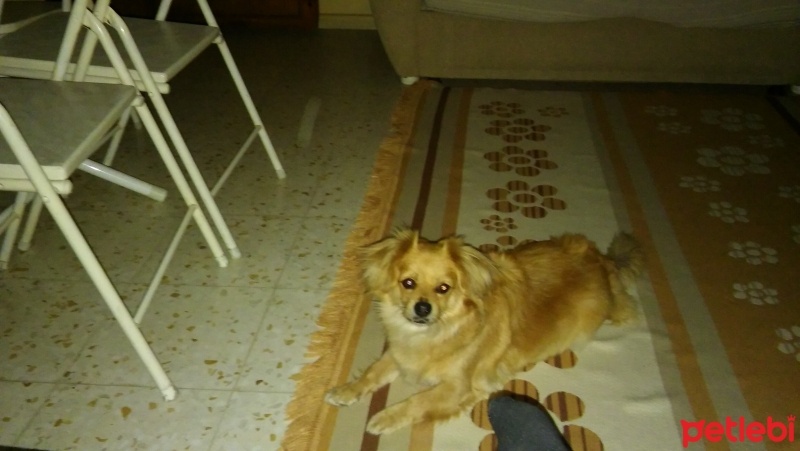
(422, 311)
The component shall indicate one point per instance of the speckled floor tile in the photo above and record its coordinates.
(87, 417)
(338, 188)
(18, 405)
(264, 241)
(316, 254)
(253, 421)
(255, 181)
(44, 325)
(279, 350)
(201, 335)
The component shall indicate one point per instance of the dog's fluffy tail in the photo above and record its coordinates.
(628, 257)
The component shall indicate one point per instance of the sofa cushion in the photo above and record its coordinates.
(684, 13)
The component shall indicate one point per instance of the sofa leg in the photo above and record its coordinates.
(408, 81)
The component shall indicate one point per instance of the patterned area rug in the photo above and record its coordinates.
(710, 184)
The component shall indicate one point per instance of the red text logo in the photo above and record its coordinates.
(734, 430)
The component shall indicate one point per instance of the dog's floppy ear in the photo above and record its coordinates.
(478, 270)
(377, 258)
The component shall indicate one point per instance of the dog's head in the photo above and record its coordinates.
(421, 282)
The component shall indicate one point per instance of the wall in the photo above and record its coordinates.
(349, 14)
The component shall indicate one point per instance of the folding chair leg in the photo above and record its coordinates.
(194, 172)
(208, 15)
(162, 268)
(8, 217)
(180, 181)
(110, 295)
(30, 224)
(251, 108)
(234, 162)
(10, 221)
(113, 146)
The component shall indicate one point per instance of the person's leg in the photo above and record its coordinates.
(520, 425)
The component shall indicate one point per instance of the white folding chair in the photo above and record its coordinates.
(82, 17)
(157, 50)
(42, 145)
(49, 129)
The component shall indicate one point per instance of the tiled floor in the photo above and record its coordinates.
(229, 338)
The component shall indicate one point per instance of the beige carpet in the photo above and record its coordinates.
(711, 186)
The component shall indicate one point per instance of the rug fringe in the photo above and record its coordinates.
(346, 301)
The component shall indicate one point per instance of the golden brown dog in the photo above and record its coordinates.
(463, 322)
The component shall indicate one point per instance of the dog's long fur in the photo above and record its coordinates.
(463, 322)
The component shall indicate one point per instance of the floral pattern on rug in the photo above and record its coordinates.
(789, 341)
(527, 163)
(755, 293)
(501, 109)
(522, 129)
(738, 154)
(733, 119)
(499, 224)
(532, 201)
(564, 406)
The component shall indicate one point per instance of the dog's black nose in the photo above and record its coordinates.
(422, 308)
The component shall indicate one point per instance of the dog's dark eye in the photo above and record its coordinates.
(408, 284)
(443, 288)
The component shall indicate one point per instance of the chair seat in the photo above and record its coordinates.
(167, 47)
(63, 122)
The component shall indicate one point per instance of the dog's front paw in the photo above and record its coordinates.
(343, 395)
(388, 420)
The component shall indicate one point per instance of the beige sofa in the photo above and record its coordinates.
(421, 42)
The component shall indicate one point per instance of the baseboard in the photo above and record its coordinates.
(346, 21)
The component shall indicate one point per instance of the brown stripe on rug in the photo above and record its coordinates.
(708, 183)
(430, 162)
